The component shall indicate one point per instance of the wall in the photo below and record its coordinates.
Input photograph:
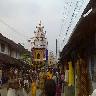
(18, 55)
(9, 51)
(51, 59)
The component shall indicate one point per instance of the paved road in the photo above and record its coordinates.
(21, 92)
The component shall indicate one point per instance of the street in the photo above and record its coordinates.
(20, 92)
(47, 47)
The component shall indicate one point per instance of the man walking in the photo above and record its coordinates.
(50, 87)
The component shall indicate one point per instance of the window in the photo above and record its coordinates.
(2, 47)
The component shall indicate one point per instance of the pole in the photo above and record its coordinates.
(56, 48)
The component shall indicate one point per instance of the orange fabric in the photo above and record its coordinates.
(33, 89)
(49, 75)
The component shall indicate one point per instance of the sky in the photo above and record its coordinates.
(19, 18)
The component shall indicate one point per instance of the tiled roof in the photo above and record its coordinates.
(82, 35)
(11, 43)
(5, 59)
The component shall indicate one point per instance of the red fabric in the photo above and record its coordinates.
(58, 90)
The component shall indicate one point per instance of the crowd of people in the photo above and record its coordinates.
(42, 82)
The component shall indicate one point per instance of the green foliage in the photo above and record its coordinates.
(26, 57)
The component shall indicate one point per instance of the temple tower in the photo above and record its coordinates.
(39, 46)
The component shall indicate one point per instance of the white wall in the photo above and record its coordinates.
(10, 52)
(18, 55)
(13, 54)
(51, 58)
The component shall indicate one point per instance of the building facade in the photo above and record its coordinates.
(10, 58)
(52, 62)
(5, 49)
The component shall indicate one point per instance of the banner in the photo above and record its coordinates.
(46, 54)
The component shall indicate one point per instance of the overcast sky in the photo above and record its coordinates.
(24, 15)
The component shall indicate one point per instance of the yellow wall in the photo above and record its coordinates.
(71, 74)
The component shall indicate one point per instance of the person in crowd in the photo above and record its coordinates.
(33, 87)
(50, 87)
(54, 77)
(50, 73)
(58, 90)
(0, 82)
(11, 89)
(26, 82)
(62, 81)
(38, 91)
(57, 75)
(37, 82)
(42, 80)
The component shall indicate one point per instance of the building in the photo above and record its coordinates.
(39, 46)
(79, 55)
(10, 58)
(52, 62)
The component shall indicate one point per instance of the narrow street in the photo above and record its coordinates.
(47, 47)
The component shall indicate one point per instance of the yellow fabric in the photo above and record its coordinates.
(33, 89)
(49, 75)
(71, 74)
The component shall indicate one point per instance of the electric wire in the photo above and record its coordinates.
(76, 10)
(13, 29)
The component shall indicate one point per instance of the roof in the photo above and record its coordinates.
(82, 36)
(8, 61)
(91, 4)
(11, 43)
(5, 59)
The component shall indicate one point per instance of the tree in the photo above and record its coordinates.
(26, 57)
